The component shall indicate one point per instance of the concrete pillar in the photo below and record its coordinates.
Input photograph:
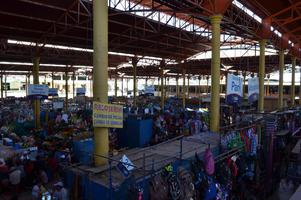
(134, 62)
(184, 89)
(66, 90)
(215, 73)
(280, 88)
(100, 74)
(293, 81)
(261, 74)
(37, 103)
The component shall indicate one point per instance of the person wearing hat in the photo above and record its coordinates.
(60, 192)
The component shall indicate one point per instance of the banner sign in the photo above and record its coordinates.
(107, 115)
(58, 105)
(253, 89)
(53, 92)
(37, 91)
(125, 166)
(149, 89)
(234, 89)
(80, 91)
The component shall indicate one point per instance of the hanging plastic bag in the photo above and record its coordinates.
(209, 162)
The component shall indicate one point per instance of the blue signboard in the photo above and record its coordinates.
(80, 91)
(253, 89)
(53, 92)
(149, 89)
(234, 89)
(37, 91)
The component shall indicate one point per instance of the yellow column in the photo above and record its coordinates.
(281, 68)
(100, 74)
(293, 81)
(261, 74)
(215, 73)
(134, 62)
(184, 89)
(35, 72)
(66, 90)
(162, 87)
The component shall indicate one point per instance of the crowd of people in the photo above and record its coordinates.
(36, 156)
(34, 159)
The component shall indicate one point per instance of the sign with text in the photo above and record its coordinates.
(58, 105)
(80, 91)
(107, 115)
(125, 166)
(234, 89)
(53, 92)
(253, 89)
(38, 91)
(149, 89)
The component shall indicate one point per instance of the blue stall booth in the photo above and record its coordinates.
(136, 132)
